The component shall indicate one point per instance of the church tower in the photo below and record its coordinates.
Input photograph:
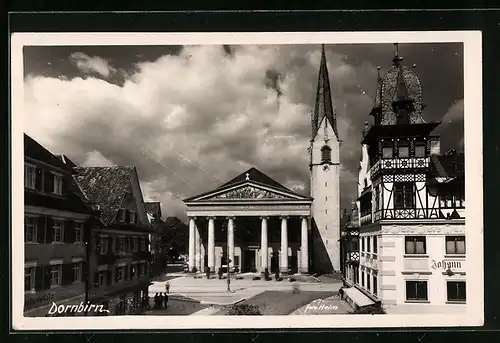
(324, 165)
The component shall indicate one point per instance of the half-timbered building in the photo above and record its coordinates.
(410, 204)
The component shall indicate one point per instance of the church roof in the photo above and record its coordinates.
(253, 176)
(257, 176)
(323, 107)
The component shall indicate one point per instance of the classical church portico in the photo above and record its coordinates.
(253, 221)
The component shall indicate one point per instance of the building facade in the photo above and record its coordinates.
(411, 205)
(120, 257)
(256, 223)
(56, 224)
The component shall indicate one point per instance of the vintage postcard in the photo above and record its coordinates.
(287, 180)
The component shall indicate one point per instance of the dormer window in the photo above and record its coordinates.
(326, 154)
(122, 215)
(132, 217)
(387, 152)
(29, 176)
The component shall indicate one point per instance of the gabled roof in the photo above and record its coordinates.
(450, 165)
(35, 150)
(255, 175)
(105, 187)
(250, 178)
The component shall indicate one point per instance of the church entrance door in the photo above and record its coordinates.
(248, 261)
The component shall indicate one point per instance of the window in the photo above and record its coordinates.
(29, 279)
(143, 243)
(362, 278)
(326, 211)
(326, 227)
(29, 176)
(58, 226)
(104, 245)
(133, 271)
(404, 195)
(403, 149)
(415, 245)
(55, 275)
(101, 279)
(121, 215)
(375, 243)
(77, 272)
(362, 244)
(375, 284)
(452, 199)
(456, 290)
(58, 181)
(387, 151)
(135, 244)
(326, 154)
(368, 277)
(122, 244)
(326, 184)
(30, 229)
(368, 248)
(377, 198)
(416, 290)
(78, 232)
(120, 274)
(365, 182)
(419, 150)
(326, 198)
(132, 217)
(455, 245)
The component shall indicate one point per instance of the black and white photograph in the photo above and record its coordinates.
(308, 178)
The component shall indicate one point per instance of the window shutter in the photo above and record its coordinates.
(69, 231)
(41, 228)
(38, 278)
(49, 230)
(38, 179)
(127, 216)
(46, 276)
(49, 182)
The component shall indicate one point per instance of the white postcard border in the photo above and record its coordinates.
(474, 315)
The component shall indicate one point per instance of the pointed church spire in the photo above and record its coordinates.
(323, 106)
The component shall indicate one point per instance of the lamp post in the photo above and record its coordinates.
(228, 262)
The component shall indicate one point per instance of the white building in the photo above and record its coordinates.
(410, 207)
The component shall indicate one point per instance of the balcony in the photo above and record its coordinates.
(415, 163)
(366, 218)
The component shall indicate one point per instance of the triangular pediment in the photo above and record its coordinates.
(249, 191)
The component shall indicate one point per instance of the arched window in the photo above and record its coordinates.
(326, 154)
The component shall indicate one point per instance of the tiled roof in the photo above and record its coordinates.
(106, 187)
(153, 207)
(255, 175)
(450, 165)
(36, 151)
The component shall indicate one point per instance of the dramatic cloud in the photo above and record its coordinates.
(193, 119)
(93, 64)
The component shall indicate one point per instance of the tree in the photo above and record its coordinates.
(174, 236)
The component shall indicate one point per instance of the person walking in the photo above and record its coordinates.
(167, 287)
(165, 301)
(160, 301)
(156, 299)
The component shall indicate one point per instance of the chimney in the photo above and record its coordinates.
(435, 146)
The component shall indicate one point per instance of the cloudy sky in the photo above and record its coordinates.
(192, 117)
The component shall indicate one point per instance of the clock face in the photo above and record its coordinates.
(326, 167)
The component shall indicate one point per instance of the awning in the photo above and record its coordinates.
(358, 297)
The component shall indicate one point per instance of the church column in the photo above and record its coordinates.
(192, 235)
(284, 246)
(304, 246)
(263, 244)
(197, 248)
(211, 244)
(230, 241)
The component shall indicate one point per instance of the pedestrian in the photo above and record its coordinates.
(341, 293)
(160, 301)
(165, 300)
(167, 287)
(156, 298)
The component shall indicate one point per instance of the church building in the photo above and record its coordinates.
(256, 223)
(406, 241)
